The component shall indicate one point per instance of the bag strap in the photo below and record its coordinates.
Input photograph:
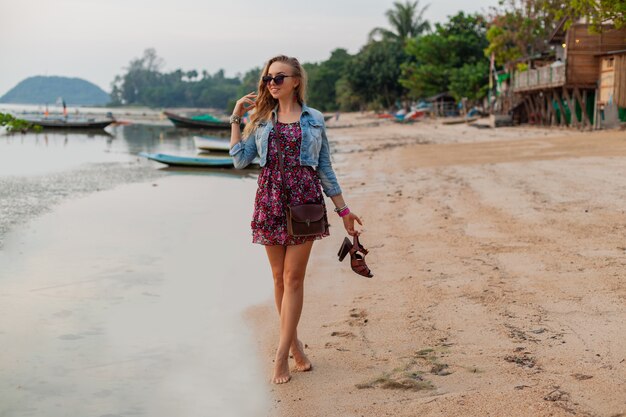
(280, 165)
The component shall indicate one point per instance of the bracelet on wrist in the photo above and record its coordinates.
(344, 212)
(234, 119)
(338, 209)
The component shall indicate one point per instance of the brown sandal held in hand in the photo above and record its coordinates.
(344, 249)
(357, 256)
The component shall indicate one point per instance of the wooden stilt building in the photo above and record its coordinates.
(563, 89)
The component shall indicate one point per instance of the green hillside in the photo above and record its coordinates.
(41, 90)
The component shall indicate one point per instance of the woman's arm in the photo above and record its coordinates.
(243, 152)
(350, 218)
(331, 186)
(325, 169)
(235, 134)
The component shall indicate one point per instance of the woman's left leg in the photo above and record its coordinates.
(296, 259)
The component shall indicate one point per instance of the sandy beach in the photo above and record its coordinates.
(499, 285)
(499, 288)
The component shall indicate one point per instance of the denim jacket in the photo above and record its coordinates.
(314, 150)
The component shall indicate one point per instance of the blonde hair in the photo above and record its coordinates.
(265, 103)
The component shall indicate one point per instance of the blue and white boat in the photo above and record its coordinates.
(209, 143)
(191, 161)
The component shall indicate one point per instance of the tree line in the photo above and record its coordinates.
(408, 61)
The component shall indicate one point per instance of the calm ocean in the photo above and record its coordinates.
(122, 284)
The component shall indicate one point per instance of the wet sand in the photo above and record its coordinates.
(499, 288)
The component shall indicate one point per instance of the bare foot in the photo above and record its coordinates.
(303, 364)
(281, 371)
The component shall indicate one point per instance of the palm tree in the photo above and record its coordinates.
(406, 21)
(191, 75)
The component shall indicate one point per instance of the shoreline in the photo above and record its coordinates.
(134, 115)
(498, 285)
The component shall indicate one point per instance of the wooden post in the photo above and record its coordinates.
(585, 110)
(538, 109)
(572, 108)
(557, 98)
(527, 107)
(542, 102)
(542, 106)
(533, 112)
(596, 115)
(551, 112)
(585, 117)
(533, 106)
(583, 107)
(538, 114)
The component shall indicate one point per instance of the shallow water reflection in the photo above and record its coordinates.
(38, 170)
(128, 301)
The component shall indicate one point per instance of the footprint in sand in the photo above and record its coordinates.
(358, 317)
(343, 334)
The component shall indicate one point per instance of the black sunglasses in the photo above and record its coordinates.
(278, 80)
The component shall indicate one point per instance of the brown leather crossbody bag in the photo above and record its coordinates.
(302, 219)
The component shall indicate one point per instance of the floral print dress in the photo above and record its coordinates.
(302, 184)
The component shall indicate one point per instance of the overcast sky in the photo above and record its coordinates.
(96, 39)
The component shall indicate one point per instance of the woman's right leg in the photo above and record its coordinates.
(276, 256)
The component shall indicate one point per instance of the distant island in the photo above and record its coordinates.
(47, 89)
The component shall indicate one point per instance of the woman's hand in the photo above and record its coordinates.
(240, 107)
(348, 223)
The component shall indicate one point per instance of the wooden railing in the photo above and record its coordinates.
(544, 77)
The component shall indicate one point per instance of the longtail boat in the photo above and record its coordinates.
(194, 162)
(196, 123)
(69, 123)
(207, 143)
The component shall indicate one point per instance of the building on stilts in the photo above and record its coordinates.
(580, 83)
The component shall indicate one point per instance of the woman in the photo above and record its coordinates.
(282, 122)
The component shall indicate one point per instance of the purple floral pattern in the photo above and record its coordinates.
(269, 223)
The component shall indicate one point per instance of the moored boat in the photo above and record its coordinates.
(68, 123)
(196, 123)
(459, 120)
(208, 143)
(191, 161)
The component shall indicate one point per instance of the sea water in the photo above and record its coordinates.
(122, 284)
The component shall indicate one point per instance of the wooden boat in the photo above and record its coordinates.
(208, 143)
(181, 121)
(69, 123)
(459, 120)
(410, 117)
(190, 161)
